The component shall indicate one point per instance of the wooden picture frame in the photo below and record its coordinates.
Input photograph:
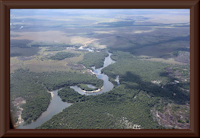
(6, 5)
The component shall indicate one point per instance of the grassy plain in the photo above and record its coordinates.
(40, 62)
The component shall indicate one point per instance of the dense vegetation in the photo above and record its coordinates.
(128, 104)
(23, 84)
(154, 43)
(128, 65)
(71, 96)
(31, 87)
(55, 80)
(106, 111)
(63, 55)
(147, 76)
(94, 59)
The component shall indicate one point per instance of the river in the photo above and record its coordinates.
(107, 85)
(57, 105)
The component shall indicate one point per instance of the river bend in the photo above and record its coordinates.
(57, 105)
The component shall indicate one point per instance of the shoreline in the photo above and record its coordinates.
(20, 120)
(51, 94)
(18, 102)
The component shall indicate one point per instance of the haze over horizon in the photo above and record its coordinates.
(108, 68)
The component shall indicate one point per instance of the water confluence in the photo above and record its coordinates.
(57, 105)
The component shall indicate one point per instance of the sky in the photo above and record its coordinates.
(100, 11)
(153, 15)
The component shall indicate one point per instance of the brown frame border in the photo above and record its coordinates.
(6, 5)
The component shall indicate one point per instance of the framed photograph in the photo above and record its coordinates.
(99, 68)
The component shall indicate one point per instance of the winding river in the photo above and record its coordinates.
(57, 105)
(107, 85)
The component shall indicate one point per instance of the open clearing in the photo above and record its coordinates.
(169, 60)
(41, 63)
